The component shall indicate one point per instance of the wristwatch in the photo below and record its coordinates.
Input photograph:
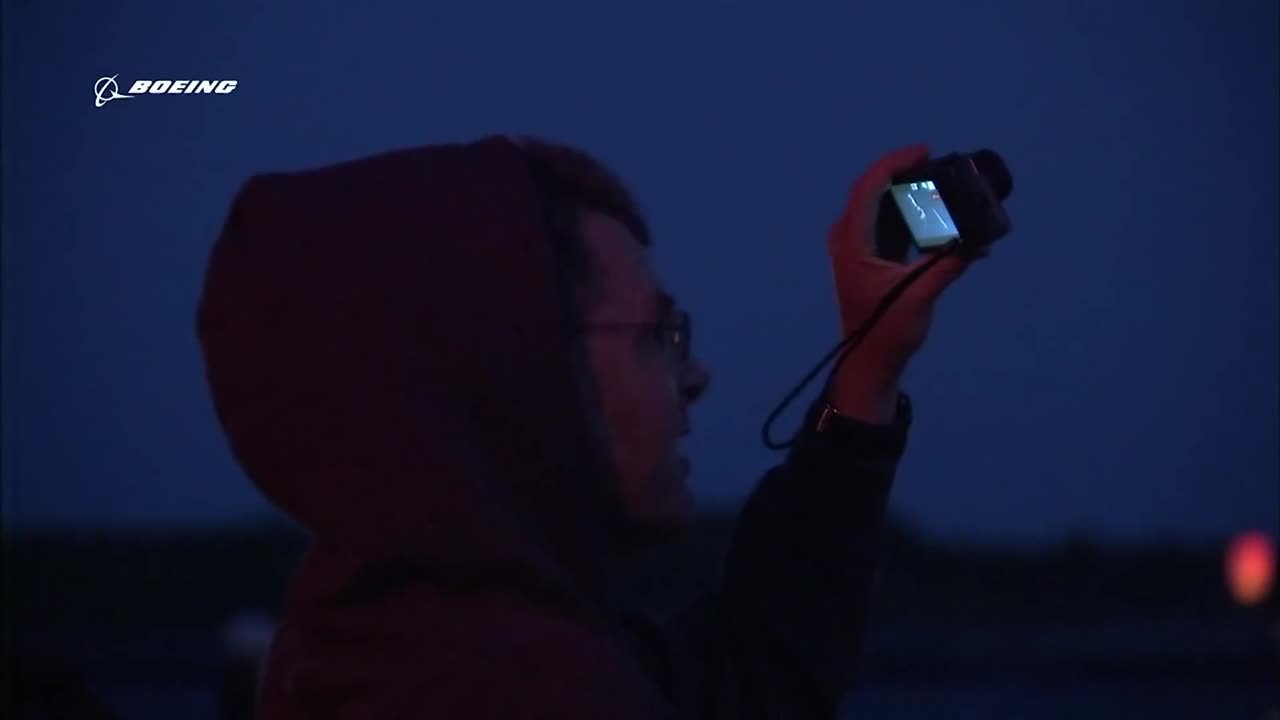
(830, 418)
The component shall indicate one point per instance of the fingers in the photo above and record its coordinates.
(855, 231)
(881, 173)
(936, 279)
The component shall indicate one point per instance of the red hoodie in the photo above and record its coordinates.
(389, 360)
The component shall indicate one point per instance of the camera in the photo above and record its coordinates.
(957, 197)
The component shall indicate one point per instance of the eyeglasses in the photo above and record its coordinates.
(674, 336)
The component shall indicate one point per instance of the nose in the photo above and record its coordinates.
(694, 381)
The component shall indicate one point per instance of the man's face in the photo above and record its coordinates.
(644, 386)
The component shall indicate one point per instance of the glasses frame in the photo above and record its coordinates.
(676, 334)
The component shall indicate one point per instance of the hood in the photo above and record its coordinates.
(388, 350)
(388, 356)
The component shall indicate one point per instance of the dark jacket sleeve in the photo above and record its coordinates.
(781, 634)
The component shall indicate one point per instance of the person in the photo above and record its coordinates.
(246, 640)
(39, 686)
(456, 367)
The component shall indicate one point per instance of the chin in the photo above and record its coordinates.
(656, 531)
(661, 520)
(676, 520)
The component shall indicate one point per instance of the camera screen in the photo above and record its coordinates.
(927, 216)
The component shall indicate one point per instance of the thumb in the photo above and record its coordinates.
(944, 271)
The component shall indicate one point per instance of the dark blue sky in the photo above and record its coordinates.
(1112, 369)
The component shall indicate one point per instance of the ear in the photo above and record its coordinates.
(599, 455)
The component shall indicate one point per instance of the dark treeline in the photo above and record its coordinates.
(197, 579)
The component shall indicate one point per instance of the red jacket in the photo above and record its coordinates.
(388, 360)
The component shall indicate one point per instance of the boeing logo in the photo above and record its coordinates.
(107, 89)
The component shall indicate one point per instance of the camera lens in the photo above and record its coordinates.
(992, 168)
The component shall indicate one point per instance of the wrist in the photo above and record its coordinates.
(871, 401)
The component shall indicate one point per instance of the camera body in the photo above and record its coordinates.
(954, 197)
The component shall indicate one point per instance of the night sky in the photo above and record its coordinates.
(1111, 370)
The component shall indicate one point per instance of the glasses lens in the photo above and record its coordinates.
(682, 336)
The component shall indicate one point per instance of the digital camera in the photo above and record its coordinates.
(955, 197)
